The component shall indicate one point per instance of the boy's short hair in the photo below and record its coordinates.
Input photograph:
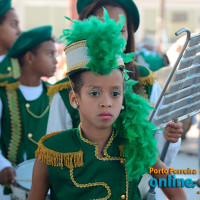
(34, 50)
(3, 17)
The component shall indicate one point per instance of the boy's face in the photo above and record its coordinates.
(100, 99)
(9, 30)
(44, 62)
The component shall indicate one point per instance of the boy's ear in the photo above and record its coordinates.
(28, 57)
(73, 100)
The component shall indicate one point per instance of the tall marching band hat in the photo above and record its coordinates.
(129, 6)
(97, 45)
(5, 5)
(30, 39)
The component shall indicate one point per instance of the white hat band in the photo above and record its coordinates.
(76, 55)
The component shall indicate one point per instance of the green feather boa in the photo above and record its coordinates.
(132, 125)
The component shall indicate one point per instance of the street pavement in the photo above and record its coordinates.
(187, 158)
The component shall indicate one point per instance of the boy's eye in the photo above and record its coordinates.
(50, 54)
(94, 93)
(116, 93)
(14, 24)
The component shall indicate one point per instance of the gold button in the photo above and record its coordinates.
(30, 135)
(123, 196)
(9, 69)
(27, 105)
(122, 162)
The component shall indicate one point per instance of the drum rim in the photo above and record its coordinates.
(16, 185)
(18, 166)
(22, 163)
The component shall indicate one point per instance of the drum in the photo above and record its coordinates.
(21, 188)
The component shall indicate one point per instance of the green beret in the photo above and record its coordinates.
(30, 39)
(128, 5)
(5, 5)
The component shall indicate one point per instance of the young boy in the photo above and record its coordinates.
(24, 104)
(105, 157)
(9, 29)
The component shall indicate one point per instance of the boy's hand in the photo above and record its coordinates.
(7, 176)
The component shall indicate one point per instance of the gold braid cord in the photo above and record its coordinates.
(91, 185)
(16, 69)
(127, 184)
(5, 75)
(15, 121)
(108, 157)
(3, 84)
(42, 114)
(53, 158)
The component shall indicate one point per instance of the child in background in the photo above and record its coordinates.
(9, 29)
(24, 104)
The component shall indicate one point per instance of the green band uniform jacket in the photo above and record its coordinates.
(77, 172)
(19, 118)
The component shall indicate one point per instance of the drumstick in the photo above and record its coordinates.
(23, 179)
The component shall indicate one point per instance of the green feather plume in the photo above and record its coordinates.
(104, 44)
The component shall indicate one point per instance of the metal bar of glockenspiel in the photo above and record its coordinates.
(173, 70)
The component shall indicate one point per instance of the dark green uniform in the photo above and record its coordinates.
(19, 118)
(76, 171)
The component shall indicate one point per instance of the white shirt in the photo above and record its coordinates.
(59, 117)
(2, 57)
(30, 94)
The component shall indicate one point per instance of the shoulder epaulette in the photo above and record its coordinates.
(12, 86)
(2, 76)
(148, 80)
(10, 68)
(47, 85)
(3, 84)
(9, 84)
(145, 76)
(58, 87)
(53, 158)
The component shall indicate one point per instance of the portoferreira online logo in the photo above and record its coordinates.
(171, 180)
